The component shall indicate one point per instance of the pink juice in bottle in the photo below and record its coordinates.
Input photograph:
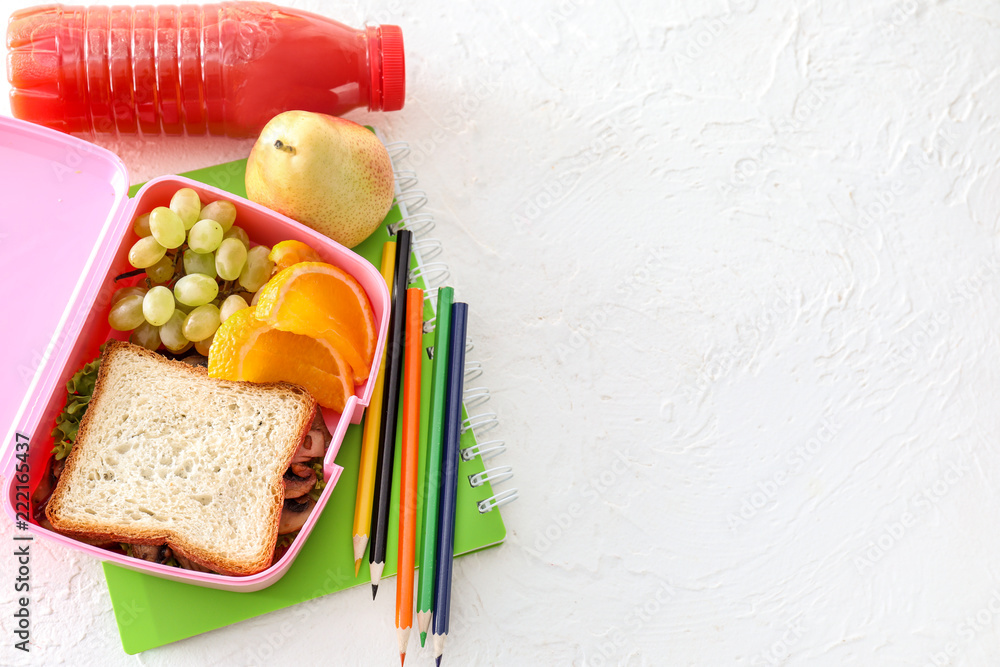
(222, 69)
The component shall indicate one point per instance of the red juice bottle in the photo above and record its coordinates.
(222, 69)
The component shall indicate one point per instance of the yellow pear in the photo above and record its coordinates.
(328, 173)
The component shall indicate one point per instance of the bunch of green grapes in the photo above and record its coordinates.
(200, 269)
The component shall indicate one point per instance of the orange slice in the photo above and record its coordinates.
(319, 300)
(244, 348)
(290, 252)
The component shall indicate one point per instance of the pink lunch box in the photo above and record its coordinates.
(65, 235)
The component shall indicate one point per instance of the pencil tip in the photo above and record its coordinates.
(360, 543)
(402, 659)
(357, 567)
(437, 660)
(439, 646)
(423, 639)
(423, 624)
(374, 590)
(376, 572)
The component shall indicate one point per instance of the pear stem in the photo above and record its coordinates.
(282, 146)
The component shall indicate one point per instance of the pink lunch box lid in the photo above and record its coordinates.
(60, 195)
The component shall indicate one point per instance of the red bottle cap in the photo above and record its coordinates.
(393, 68)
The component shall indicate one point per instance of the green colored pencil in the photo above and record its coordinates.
(432, 465)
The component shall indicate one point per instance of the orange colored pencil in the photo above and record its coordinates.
(406, 553)
(369, 439)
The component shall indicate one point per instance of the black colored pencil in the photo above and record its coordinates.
(379, 533)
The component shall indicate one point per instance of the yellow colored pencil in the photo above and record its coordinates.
(369, 439)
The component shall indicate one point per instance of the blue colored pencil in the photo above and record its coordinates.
(449, 477)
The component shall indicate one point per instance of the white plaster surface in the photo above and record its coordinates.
(733, 273)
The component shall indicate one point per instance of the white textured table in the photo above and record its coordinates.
(733, 273)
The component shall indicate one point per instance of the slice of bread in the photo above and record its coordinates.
(166, 454)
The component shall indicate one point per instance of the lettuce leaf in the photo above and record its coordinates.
(317, 465)
(80, 390)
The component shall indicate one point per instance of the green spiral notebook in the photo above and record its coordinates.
(151, 612)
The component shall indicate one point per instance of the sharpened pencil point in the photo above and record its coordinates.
(423, 624)
(437, 661)
(402, 659)
(360, 544)
(403, 635)
(357, 567)
(376, 570)
(439, 647)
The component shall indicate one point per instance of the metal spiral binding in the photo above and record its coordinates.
(410, 200)
(398, 150)
(413, 199)
(484, 450)
(473, 370)
(405, 179)
(428, 248)
(492, 475)
(475, 396)
(497, 500)
(419, 224)
(431, 295)
(481, 423)
(433, 273)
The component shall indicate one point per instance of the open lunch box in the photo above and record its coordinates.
(65, 236)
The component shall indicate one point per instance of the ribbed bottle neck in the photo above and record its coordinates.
(374, 43)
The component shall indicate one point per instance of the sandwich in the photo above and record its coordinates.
(167, 457)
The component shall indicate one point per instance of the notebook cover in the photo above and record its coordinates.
(151, 612)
